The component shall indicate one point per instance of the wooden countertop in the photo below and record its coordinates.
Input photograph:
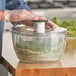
(9, 57)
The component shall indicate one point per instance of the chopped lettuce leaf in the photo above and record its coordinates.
(69, 24)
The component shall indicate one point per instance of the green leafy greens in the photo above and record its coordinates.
(69, 24)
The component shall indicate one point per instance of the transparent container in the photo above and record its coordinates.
(32, 47)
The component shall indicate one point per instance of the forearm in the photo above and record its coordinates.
(2, 15)
(12, 15)
(16, 15)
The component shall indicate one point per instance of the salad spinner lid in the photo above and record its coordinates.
(38, 28)
(59, 29)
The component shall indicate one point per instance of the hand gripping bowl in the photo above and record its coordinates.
(33, 45)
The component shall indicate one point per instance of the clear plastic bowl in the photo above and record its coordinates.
(36, 48)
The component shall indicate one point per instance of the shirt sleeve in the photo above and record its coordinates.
(2, 7)
(16, 4)
(2, 4)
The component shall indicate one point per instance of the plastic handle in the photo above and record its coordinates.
(39, 26)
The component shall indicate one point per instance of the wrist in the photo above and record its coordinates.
(7, 15)
(2, 15)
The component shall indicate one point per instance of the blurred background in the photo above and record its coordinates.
(40, 4)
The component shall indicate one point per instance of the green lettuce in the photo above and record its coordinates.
(69, 24)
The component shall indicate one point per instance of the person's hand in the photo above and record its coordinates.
(25, 17)
(49, 24)
(20, 15)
